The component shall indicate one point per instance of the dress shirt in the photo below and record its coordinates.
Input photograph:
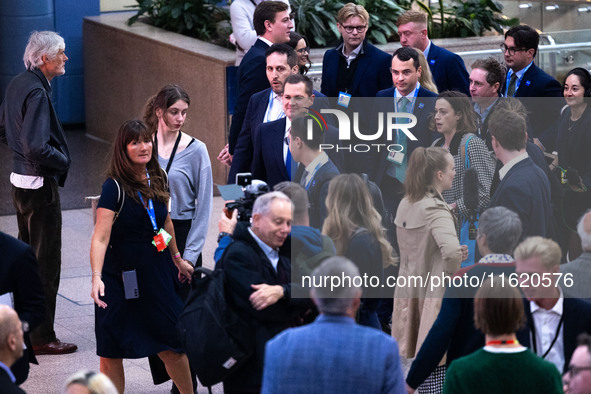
(505, 169)
(286, 146)
(483, 113)
(269, 43)
(411, 97)
(274, 108)
(546, 323)
(271, 253)
(30, 182)
(314, 165)
(426, 51)
(519, 75)
(8, 371)
(354, 53)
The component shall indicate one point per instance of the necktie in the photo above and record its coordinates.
(512, 82)
(303, 179)
(288, 158)
(403, 104)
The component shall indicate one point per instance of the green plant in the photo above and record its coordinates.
(382, 16)
(196, 18)
(317, 20)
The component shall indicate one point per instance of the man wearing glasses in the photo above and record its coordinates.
(525, 79)
(577, 380)
(355, 68)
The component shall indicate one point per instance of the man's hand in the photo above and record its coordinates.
(225, 157)
(226, 225)
(265, 295)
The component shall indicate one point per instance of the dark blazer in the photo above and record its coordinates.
(542, 113)
(251, 78)
(424, 106)
(7, 386)
(448, 69)
(317, 191)
(372, 73)
(255, 114)
(19, 274)
(577, 319)
(267, 163)
(526, 191)
(245, 264)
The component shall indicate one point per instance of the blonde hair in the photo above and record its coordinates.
(412, 16)
(350, 10)
(426, 78)
(545, 249)
(423, 165)
(95, 382)
(350, 207)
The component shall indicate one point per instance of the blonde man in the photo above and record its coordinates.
(448, 68)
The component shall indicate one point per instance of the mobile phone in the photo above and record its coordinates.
(130, 285)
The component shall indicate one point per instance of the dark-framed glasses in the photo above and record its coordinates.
(511, 50)
(360, 28)
(573, 370)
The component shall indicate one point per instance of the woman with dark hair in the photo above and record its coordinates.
(300, 44)
(356, 229)
(186, 162)
(455, 120)
(503, 365)
(133, 255)
(573, 144)
(429, 247)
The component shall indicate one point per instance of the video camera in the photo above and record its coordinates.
(250, 189)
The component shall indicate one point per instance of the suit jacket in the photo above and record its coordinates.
(19, 274)
(448, 69)
(424, 106)
(317, 191)
(268, 164)
(245, 264)
(526, 191)
(251, 78)
(332, 355)
(7, 386)
(255, 114)
(535, 90)
(580, 268)
(372, 73)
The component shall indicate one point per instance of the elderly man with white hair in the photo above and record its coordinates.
(30, 127)
(580, 268)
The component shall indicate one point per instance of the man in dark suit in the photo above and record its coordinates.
(333, 354)
(554, 321)
(272, 24)
(448, 69)
(315, 170)
(11, 348)
(265, 106)
(408, 96)
(354, 68)
(257, 277)
(523, 186)
(526, 80)
(272, 161)
(19, 279)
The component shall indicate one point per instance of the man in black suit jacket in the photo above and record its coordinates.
(257, 277)
(19, 275)
(448, 69)
(529, 82)
(389, 170)
(355, 67)
(272, 161)
(523, 186)
(272, 24)
(315, 170)
(11, 348)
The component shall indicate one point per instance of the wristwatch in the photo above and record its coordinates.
(222, 235)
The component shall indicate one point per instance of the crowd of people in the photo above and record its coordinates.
(490, 181)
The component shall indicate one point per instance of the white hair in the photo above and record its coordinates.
(262, 205)
(585, 236)
(42, 43)
(95, 382)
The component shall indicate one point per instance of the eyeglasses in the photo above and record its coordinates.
(302, 50)
(573, 370)
(360, 28)
(511, 50)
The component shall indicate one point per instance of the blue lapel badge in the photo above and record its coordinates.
(527, 83)
(432, 61)
(421, 105)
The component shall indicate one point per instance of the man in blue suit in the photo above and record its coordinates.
(448, 69)
(264, 106)
(526, 80)
(333, 354)
(272, 24)
(354, 68)
(523, 186)
(272, 161)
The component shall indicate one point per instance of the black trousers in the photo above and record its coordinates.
(39, 217)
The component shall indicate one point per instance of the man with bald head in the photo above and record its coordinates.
(11, 348)
(580, 268)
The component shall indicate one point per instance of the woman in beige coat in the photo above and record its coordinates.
(429, 248)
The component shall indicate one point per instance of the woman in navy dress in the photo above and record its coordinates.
(143, 326)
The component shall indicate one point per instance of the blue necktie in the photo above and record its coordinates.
(288, 158)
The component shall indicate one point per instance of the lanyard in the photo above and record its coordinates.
(534, 339)
(311, 175)
(149, 207)
(171, 158)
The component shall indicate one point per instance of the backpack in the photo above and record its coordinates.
(215, 338)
